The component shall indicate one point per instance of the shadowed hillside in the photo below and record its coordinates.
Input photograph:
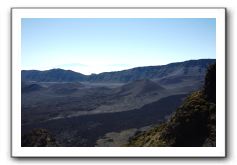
(26, 88)
(85, 130)
(140, 87)
(192, 125)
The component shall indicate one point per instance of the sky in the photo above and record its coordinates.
(95, 45)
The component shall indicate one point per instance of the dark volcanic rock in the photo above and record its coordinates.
(83, 131)
(65, 88)
(210, 84)
(140, 87)
(30, 87)
(38, 138)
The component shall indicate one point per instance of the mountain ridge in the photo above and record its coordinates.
(147, 72)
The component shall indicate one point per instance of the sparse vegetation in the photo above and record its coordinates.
(192, 125)
(38, 138)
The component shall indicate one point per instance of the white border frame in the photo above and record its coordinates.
(218, 151)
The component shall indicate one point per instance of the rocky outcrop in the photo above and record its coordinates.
(192, 125)
(38, 138)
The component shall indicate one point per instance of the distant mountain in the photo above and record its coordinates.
(167, 73)
(53, 75)
(186, 68)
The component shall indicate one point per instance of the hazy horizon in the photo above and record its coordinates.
(88, 45)
(112, 70)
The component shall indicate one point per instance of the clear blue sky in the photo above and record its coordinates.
(96, 45)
